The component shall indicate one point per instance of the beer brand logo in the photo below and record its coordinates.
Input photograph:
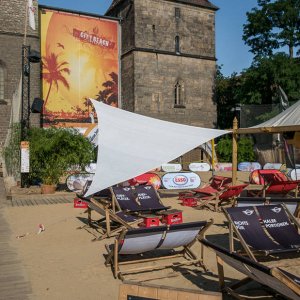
(148, 187)
(248, 212)
(126, 189)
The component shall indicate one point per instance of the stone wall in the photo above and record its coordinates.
(12, 28)
(155, 77)
(156, 27)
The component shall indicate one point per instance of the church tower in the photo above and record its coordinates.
(168, 59)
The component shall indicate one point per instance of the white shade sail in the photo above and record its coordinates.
(130, 144)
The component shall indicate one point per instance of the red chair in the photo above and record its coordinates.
(228, 194)
(216, 184)
(274, 181)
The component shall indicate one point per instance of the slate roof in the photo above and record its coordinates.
(201, 3)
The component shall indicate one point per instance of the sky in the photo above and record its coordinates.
(231, 52)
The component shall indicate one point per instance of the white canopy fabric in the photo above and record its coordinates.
(289, 117)
(130, 144)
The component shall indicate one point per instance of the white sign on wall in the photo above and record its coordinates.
(24, 157)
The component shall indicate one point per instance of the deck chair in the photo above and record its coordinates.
(244, 223)
(274, 181)
(278, 223)
(124, 199)
(115, 222)
(149, 199)
(226, 195)
(280, 281)
(134, 245)
(215, 184)
(292, 204)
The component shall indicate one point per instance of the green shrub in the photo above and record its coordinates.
(54, 150)
(11, 151)
(245, 150)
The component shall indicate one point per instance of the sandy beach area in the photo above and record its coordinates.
(63, 263)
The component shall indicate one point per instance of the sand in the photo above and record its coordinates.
(63, 263)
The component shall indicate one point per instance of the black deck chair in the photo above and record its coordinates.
(249, 201)
(245, 223)
(278, 223)
(282, 282)
(149, 198)
(125, 199)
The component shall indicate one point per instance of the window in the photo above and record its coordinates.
(179, 95)
(177, 13)
(177, 44)
(1, 82)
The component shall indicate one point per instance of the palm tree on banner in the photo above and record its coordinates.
(53, 72)
(87, 103)
(110, 94)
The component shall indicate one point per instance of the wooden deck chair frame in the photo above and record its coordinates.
(278, 278)
(112, 259)
(109, 216)
(233, 230)
(213, 202)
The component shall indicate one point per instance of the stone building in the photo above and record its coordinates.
(12, 29)
(168, 59)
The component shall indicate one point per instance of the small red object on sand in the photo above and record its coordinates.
(192, 202)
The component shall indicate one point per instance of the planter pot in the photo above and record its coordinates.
(48, 188)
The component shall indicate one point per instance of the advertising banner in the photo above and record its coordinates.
(171, 167)
(80, 60)
(199, 167)
(181, 180)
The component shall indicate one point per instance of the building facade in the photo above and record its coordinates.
(168, 59)
(12, 32)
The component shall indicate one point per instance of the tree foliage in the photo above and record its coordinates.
(54, 150)
(245, 150)
(257, 85)
(273, 25)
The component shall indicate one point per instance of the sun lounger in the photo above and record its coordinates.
(125, 200)
(149, 199)
(227, 195)
(292, 204)
(114, 221)
(278, 223)
(131, 243)
(245, 223)
(275, 182)
(215, 184)
(280, 281)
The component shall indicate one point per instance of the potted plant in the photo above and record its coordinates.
(53, 151)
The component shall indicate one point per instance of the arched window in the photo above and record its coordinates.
(1, 81)
(177, 44)
(179, 94)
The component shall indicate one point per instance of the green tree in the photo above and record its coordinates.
(273, 25)
(245, 150)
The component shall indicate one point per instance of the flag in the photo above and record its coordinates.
(31, 11)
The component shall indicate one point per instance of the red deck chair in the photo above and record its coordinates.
(228, 194)
(274, 181)
(215, 185)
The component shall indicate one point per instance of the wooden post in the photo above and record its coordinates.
(116, 266)
(213, 154)
(234, 150)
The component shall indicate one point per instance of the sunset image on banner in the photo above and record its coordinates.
(80, 60)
